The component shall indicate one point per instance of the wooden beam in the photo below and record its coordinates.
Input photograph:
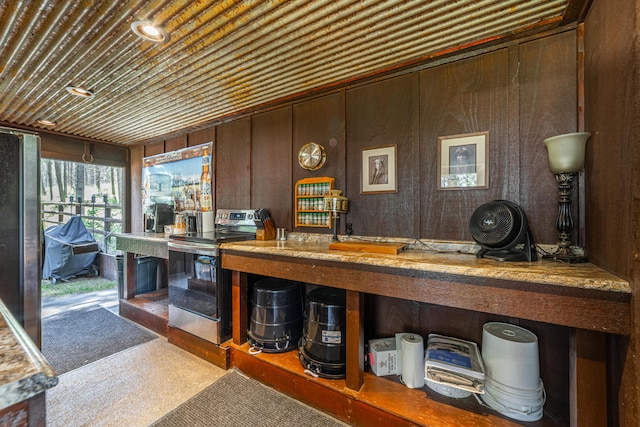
(587, 379)
(239, 307)
(355, 340)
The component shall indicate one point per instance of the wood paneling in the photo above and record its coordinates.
(521, 95)
(321, 120)
(385, 316)
(153, 149)
(63, 147)
(458, 98)
(271, 165)
(612, 105)
(135, 185)
(611, 90)
(548, 107)
(377, 115)
(233, 165)
(176, 143)
(202, 136)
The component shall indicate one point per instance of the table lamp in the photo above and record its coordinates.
(566, 157)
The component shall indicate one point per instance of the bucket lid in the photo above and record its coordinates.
(509, 332)
(328, 296)
(447, 390)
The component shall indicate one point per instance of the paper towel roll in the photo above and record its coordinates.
(412, 348)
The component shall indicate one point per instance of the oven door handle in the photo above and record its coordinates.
(193, 248)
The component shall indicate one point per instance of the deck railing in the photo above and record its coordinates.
(101, 218)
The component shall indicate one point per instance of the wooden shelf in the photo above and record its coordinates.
(390, 401)
(306, 190)
(607, 310)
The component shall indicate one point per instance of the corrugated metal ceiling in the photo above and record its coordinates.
(222, 56)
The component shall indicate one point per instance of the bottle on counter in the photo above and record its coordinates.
(205, 183)
(146, 189)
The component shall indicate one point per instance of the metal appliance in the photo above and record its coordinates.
(20, 239)
(157, 216)
(199, 289)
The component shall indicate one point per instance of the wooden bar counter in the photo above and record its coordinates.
(582, 297)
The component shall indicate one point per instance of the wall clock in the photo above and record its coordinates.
(311, 156)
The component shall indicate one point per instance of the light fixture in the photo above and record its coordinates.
(566, 157)
(47, 122)
(80, 91)
(149, 32)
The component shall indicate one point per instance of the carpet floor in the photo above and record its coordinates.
(235, 400)
(74, 338)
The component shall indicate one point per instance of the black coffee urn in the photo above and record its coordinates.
(157, 216)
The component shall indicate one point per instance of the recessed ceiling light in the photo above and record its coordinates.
(79, 91)
(46, 122)
(150, 32)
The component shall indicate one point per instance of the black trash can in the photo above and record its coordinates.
(322, 348)
(276, 315)
(145, 273)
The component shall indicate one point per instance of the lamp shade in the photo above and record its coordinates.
(566, 152)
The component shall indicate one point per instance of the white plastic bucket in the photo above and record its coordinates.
(531, 411)
(510, 355)
(516, 398)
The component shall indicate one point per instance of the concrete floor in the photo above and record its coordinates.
(134, 387)
(107, 298)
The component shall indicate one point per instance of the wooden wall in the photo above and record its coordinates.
(62, 147)
(612, 105)
(520, 93)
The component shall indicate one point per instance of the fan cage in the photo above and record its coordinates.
(497, 225)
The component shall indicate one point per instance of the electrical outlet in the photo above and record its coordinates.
(349, 227)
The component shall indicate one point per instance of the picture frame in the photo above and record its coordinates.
(463, 161)
(379, 170)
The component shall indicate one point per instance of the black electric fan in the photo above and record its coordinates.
(500, 228)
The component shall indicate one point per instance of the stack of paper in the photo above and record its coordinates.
(454, 362)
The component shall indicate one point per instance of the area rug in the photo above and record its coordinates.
(235, 400)
(75, 338)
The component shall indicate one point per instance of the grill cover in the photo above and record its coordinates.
(69, 250)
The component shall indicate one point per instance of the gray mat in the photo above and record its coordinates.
(235, 400)
(75, 338)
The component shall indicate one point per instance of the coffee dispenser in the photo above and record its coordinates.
(157, 216)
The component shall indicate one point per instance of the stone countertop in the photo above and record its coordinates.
(24, 372)
(153, 244)
(144, 236)
(455, 258)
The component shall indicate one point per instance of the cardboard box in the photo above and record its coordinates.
(383, 356)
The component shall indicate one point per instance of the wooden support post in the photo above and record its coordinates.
(129, 289)
(587, 378)
(355, 339)
(239, 308)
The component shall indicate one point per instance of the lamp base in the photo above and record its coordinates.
(335, 228)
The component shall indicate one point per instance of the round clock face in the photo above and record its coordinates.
(311, 156)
